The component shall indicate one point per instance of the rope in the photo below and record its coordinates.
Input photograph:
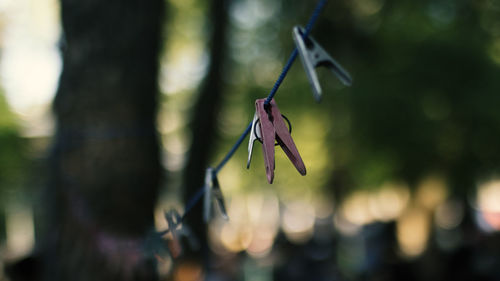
(233, 149)
(192, 202)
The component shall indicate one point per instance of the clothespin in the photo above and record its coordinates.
(273, 128)
(313, 55)
(254, 135)
(212, 189)
(174, 220)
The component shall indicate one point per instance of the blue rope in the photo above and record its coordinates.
(233, 149)
(192, 202)
(314, 17)
(271, 95)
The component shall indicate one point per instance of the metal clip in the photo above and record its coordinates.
(174, 220)
(254, 135)
(313, 55)
(212, 188)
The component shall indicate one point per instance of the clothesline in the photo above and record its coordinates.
(196, 198)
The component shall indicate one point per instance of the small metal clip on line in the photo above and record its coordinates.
(254, 135)
(174, 220)
(212, 189)
(313, 55)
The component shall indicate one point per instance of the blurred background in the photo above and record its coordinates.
(403, 167)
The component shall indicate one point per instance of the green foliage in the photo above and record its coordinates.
(425, 95)
(7, 119)
(426, 98)
(13, 159)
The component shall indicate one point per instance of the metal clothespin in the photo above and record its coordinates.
(212, 189)
(273, 128)
(313, 55)
(254, 135)
(174, 221)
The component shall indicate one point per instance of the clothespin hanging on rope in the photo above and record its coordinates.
(313, 55)
(212, 189)
(273, 128)
(254, 135)
(177, 230)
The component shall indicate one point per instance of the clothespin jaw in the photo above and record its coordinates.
(273, 128)
(174, 219)
(254, 135)
(212, 189)
(313, 55)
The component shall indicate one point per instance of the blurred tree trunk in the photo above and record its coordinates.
(203, 120)
(105, 159)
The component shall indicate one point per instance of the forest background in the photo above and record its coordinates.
(402, 167)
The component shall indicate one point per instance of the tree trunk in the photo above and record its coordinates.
(105, 160)
(203, 121)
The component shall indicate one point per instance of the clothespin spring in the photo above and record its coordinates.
(256, 131)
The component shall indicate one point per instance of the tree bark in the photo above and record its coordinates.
(203, 120)
(105, 160)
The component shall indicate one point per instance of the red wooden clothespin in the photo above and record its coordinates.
(273, 128)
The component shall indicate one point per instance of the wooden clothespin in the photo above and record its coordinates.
(273, 128)
(313, 55)
(212, 189)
